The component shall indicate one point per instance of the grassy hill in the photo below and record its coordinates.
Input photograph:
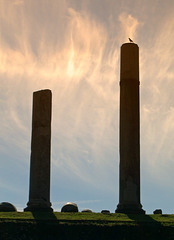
(87, 226)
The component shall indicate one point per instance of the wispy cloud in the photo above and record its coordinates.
(81, 74)
(129, 26)
(157, 116)
(75, 52)
(18, 2)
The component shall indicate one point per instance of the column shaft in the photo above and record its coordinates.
(129, 191)
(39, 190)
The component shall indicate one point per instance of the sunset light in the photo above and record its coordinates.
(73, 49)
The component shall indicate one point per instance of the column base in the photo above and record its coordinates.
(38, 206)
(31, 209)
(130, 209)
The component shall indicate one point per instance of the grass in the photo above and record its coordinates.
(88, 218)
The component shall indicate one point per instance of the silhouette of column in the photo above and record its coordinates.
(129, 191)
(39, 192)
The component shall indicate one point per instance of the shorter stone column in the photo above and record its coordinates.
(39, 190)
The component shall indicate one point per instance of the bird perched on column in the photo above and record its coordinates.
(131, 40)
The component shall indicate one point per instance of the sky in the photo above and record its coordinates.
(73, 48)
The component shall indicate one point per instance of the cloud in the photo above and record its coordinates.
(18, 2)
(129, 26)
(157, 72)
(80, 71)
(75, 53)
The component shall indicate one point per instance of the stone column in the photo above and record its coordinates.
(39, 190)
(129, 191)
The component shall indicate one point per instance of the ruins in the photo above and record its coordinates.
(39, 190)
(129, 185)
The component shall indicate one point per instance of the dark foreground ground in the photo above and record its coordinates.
(85, 226)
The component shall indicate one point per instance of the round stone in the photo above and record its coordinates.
(87, 211)
(7, 207)
(105, 211)
(70, 207)
(157, 211)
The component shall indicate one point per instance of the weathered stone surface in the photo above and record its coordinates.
(157, 211)
(7, 207)
(129, 192)
(39, 193)
(87, 211)
(70, 207)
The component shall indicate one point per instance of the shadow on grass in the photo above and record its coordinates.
(43, 216)
(146, 227)
(141, 219)
(46, 226)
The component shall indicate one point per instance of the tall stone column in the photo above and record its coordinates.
(129, 191)
(39, 190)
